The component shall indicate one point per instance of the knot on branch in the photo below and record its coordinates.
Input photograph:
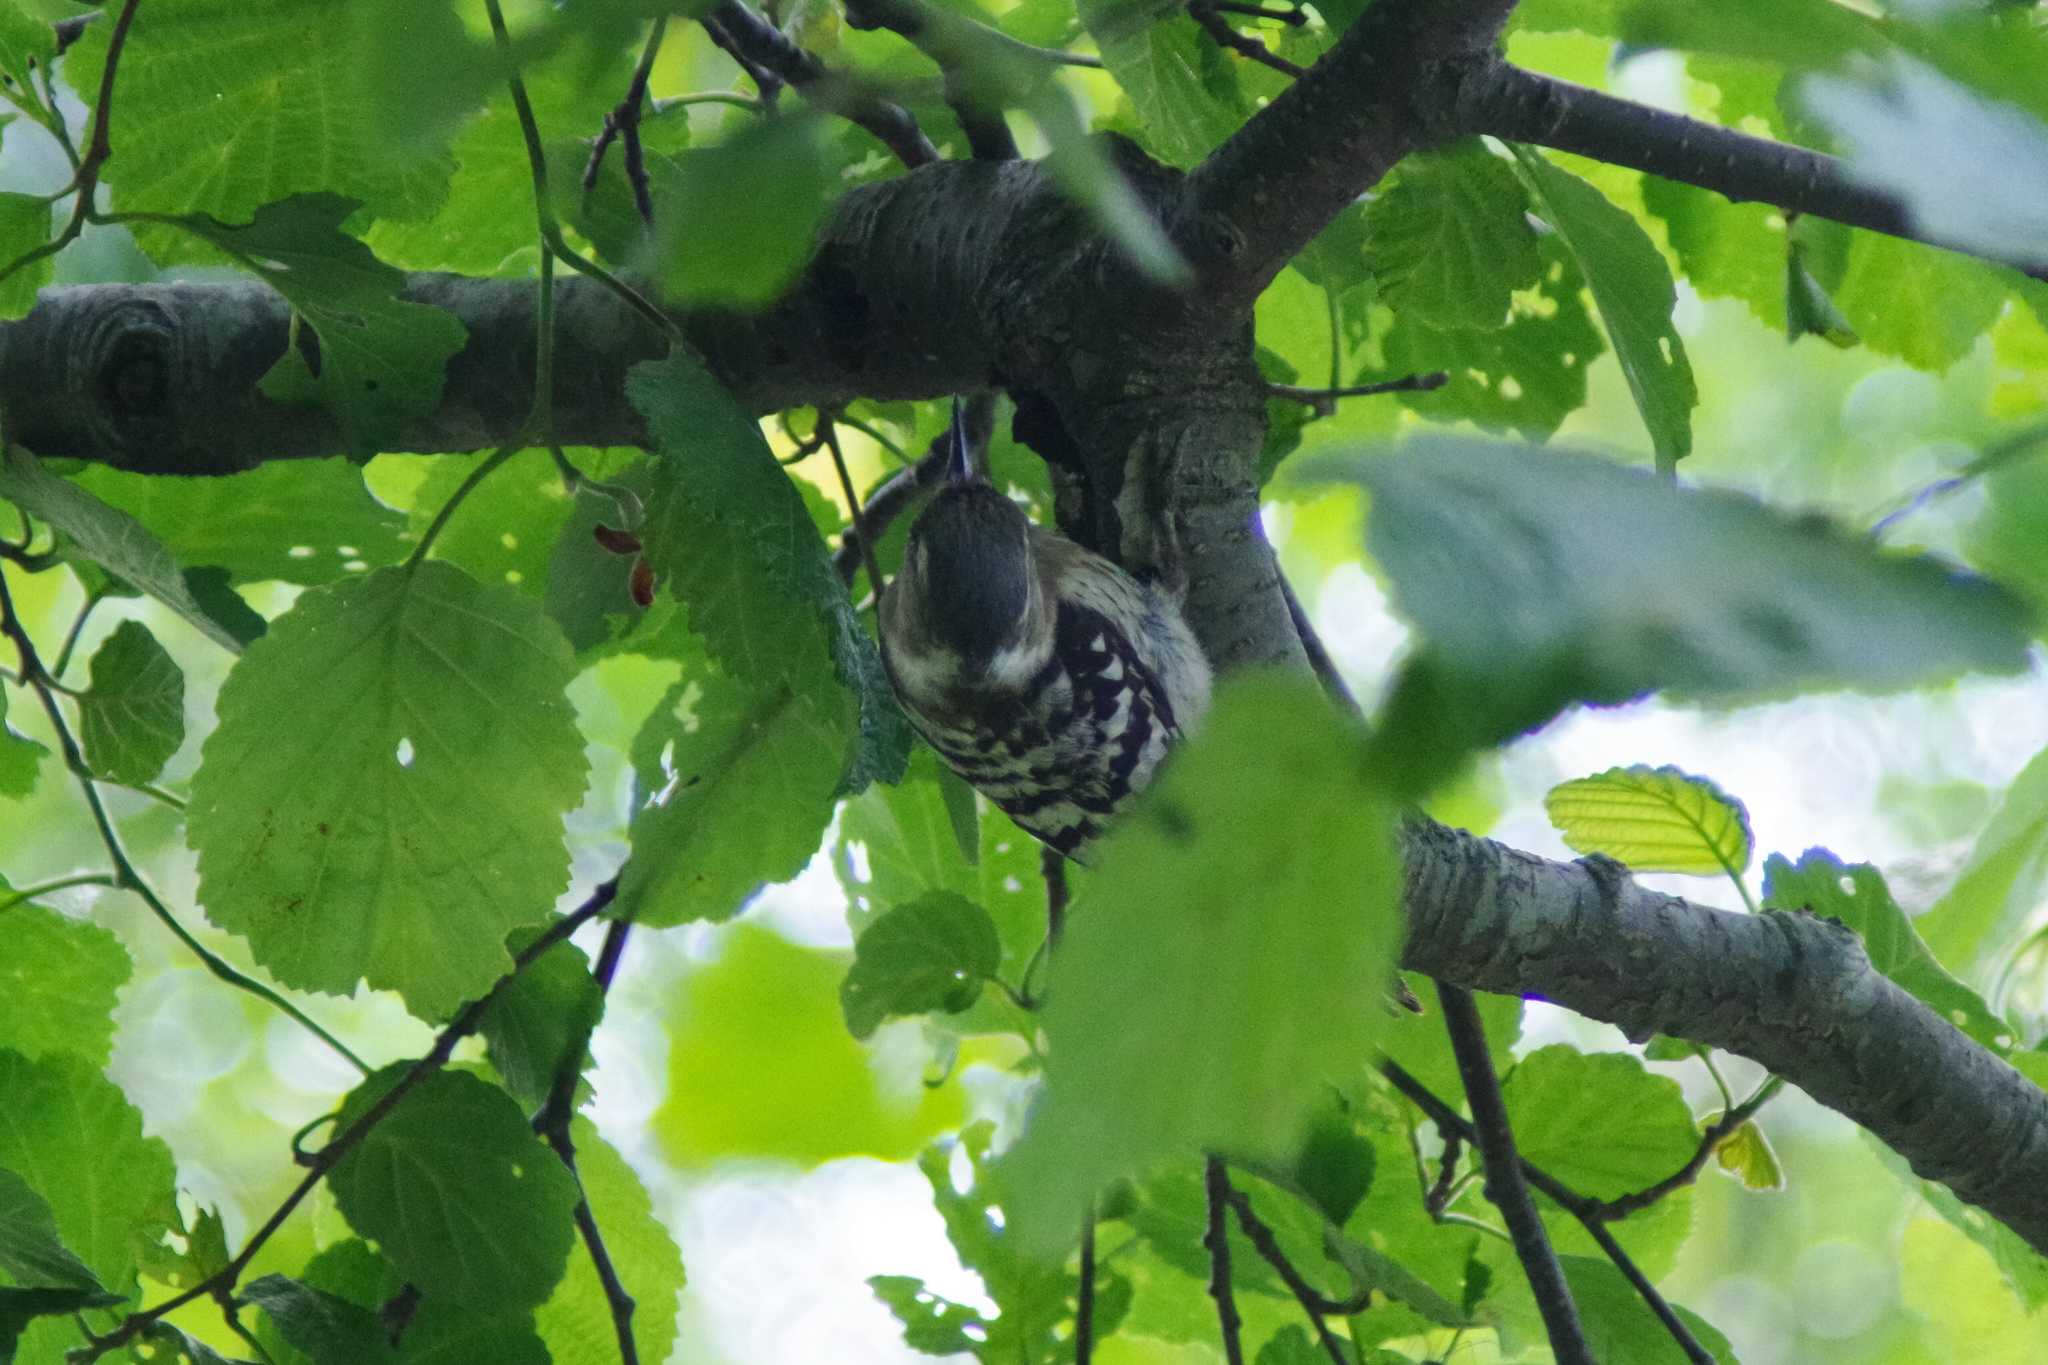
(125, 374)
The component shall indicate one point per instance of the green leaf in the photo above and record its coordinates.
(744, 797)
(1727, 250)
(132, 719)
(1578, 579)
(1598, 1121)
(108, 537)
(59, 977)
(295, 521)
(25, 43)
(31, 1251)
(73, 1138)
(1450, 239)
(228, 106)
(20, 757)
(383, 798)
(733, 540)
(323, 1326)
(932, 1325)
(1746, 1154)
(2000, 885)
(1632, 286)
(1241, 919)
(576, 1320)
(1525, 377)
(1030, 1291)
(1856, 895)
(1620, 1326)
(1653, 819)
(457, 1191)
(930, 954)
(529, 1027)
(24, 226)
(743, 214)
(1969, 171)
(760, 1065)
(1180, 82)
(1921, 304)
(382, 360)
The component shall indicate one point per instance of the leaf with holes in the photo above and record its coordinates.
(295, 521)
(933, 953)
(1653, 819)
(382, 359)
(383, 798)
(457, 1191)
(132, 719)
(1632, 286)
(1451, 240)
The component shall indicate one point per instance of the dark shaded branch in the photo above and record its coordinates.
(1791, 991)
(1313, 1303)
(1491, 96)
(1325, 140)
(761, 45)
(1505, 1184)
(1243, 45)
(1455, 1129)
(1217, 1239)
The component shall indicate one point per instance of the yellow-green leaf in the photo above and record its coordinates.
(1653, 819)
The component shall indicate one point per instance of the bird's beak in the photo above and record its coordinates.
(959, 463)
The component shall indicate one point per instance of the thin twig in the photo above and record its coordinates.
(70, 645)
(1084, 1297)
(327, 1158)
(1505, 1183)
(1214, 25)
(1319, 658)
(764, 46)
(1053, 864)
(553, 1125)
(1313, 1303)
(1324, 401)
(623, 122)
(1710, 1138)
(1439, 1197)
(1217, 1240)
(766, 81)
(29, 893)
(125, 873)
(1450, 1121)
(1293, 18)
(830, 435)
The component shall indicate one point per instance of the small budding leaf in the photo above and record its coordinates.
(1654, 820)
(457, 1191)
(931, 954)
(1856, 894)
(133, 717)
(1746, 1154)
(383, 798)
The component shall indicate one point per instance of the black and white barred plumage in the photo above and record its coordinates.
(1044, 674)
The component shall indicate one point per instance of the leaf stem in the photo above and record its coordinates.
(58, 884)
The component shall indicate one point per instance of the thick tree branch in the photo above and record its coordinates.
(1491, 96)
(1327, 139)
(1792, 991)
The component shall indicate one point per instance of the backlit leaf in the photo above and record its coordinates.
(132, 719)
(1653, 819)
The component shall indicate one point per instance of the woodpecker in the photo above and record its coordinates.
(1044, 674)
